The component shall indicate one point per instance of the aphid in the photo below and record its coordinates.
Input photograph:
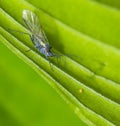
(37, 35)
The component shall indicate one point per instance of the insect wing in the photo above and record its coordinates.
(33, 25)
(31, 21)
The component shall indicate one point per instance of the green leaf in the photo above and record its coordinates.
(88, 80)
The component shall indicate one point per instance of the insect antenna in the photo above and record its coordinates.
(18, 31)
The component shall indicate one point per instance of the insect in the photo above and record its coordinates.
(37, 35)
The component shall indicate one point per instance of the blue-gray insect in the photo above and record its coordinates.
(37, 35)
